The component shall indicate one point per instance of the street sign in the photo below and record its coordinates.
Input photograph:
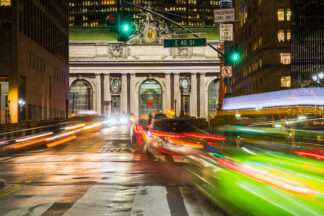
(185, 42)
(227, 71)
(224, 15)
(226, 32)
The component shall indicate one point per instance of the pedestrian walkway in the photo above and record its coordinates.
(113, 201)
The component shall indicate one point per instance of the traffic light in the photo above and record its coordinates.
(125, 29)
(231, 53)
(121, 23)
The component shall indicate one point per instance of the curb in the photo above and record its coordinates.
(2, 183)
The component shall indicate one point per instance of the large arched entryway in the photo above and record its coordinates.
(150, 98)
(213, 92)
(82, 94)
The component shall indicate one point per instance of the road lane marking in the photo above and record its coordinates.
(17, 185)
(195, 205)
(151, 200)
(67, 200)
(93, 202)
(38, 204)
(89, 150)
(12, 188)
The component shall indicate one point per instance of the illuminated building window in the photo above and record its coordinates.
(288, 14)
(285, 58)
(260, 63)
(285, 81)
(288, 35)
(5, 3)
(281, 14)
(281, 35)
(255, 46)
(260, 41)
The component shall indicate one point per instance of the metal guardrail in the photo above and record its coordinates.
(29, 131)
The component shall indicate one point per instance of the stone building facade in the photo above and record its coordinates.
(125, 78)
(34, 60)
(143, 77)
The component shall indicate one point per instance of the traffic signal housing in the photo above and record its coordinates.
(231, 53)
(122, 25)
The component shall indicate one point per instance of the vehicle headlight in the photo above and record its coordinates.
(124, 120)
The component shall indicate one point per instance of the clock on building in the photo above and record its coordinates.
(184, 83)
(150, 35)
(115, 84)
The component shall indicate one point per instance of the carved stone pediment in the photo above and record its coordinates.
(150, 29)
(181, 52)
(118, 51)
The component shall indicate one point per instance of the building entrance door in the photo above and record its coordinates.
(150, 98)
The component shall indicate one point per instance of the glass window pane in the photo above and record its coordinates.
(150, 98)
(281, 35)
(286, 81)
(288, 35)
(288, 15)
(281, 14)
(82, 95)
(285, 58)
(213, 91)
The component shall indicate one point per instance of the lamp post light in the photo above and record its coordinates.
(21, 103)
(318, 77)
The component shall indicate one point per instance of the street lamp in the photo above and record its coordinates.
(318, 77)
(21, 103)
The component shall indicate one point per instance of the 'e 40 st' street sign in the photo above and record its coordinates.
(186, 42)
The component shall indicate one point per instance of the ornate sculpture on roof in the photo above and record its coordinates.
(150, 30)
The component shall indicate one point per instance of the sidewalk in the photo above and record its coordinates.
(2, 183)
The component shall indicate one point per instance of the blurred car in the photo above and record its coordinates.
(137, 131)
(160, 116)
(177, 137)
(121, 119)
(254, 181)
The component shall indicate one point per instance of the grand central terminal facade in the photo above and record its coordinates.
(142, 76)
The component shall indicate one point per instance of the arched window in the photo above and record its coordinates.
(150, 98)
(82, 94)
(213, 91)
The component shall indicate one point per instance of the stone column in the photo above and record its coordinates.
(123, 96)
(193, 95)
(132, 94)
(177, 93)
(168, 91)
(98, 94)
(202, 95)
(107, 94)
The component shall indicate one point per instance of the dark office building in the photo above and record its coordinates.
(34, 59)
(263, 35)
(307, 43)
(186, 12)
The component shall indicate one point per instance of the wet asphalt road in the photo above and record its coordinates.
(99, 173)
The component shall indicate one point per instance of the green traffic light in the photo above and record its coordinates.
(125, 27)
(235, 57)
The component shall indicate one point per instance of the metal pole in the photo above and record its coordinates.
(173, 22)
(181, 102)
